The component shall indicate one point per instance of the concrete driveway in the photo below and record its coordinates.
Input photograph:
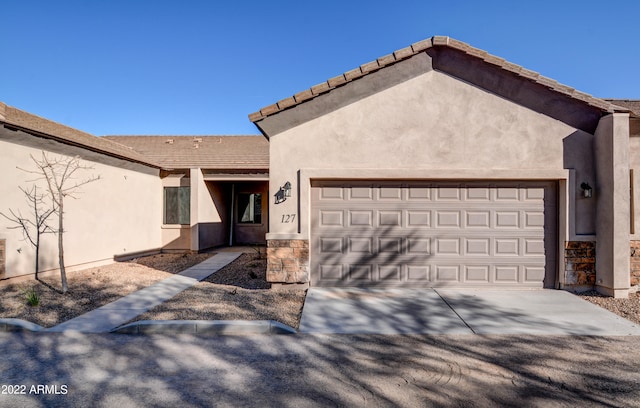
(457, 311)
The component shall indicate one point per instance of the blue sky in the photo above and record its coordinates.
(201, 67)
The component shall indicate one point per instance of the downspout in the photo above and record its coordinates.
(233, 195)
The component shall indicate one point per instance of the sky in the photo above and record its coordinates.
(198, 67)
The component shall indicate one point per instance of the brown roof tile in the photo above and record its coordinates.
(52, 130)
(632, 104)
(437, 41)
(207, 152)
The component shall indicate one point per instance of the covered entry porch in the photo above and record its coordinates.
(207, 210)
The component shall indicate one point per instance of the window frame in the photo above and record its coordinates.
(183, 206)
(257, 205)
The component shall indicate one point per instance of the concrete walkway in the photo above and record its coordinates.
(457, 311)
(114, 314)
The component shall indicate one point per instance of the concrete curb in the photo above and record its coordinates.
(12, 325)
(219, 327)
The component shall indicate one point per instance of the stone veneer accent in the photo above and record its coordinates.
(635, 262)
(580, 262)
(2, 257)
(288, 260)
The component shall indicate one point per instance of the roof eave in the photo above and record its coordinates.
(14, 126)
(416, 48)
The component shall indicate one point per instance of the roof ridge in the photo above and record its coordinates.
(414, 49)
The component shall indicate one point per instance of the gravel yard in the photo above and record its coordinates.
(89, 288)
(237, 292)
(627, 308)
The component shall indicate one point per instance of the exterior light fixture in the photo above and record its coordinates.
(283, 193)
(587, 191)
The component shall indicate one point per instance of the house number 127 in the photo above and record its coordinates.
(288, 218)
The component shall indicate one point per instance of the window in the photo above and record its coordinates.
(177, 205)
(250, 208)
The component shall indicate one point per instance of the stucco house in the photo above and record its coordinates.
(436, 165)
(443, 165)
(155, 193)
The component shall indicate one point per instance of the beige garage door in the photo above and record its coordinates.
(423, 234)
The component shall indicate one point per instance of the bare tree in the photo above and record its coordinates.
(35, 224)
(61, 180)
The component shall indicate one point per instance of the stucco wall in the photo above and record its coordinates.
(634, 164)
(119, 213)
(213, 217)
(613, 218)
(432, 126)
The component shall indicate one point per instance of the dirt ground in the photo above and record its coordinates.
(237, 292)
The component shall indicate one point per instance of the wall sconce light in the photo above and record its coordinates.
(587, 191)
(283, 193)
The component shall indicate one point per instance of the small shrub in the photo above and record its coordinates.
(32, 297)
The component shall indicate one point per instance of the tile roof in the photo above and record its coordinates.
(207, 152)
(45, 128)
(632, 104)
(404, 53)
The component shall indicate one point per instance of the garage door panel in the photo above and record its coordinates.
(507, 219)
(418, 218)
(433, 234)
(330, 272)
(361, 245)
(418, 273)
(390, 218)
(448, 273)
(478, 219)
(419, 246)
(418, 193)
(481, 194)
(330, 245)
(447, 194)
(478, 246)
(331, 218)
(447, 246)
(361, 193)
(391, 273)
(534, 219)
(360, 218)
(331, 194)
(447, 219)
(390, 245)
(506, 274)
(476, 273)
(507, 194)
(393, 193)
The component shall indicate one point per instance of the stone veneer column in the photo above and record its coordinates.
(580, 263)
(3, 253)
(288, 260)
(635, 263)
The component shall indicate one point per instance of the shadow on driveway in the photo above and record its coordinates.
(457, 311)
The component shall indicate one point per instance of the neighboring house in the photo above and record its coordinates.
(169, 193)
(442, 165)
(117, 214)
(439, 165)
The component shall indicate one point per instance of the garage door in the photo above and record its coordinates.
(423, 234)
